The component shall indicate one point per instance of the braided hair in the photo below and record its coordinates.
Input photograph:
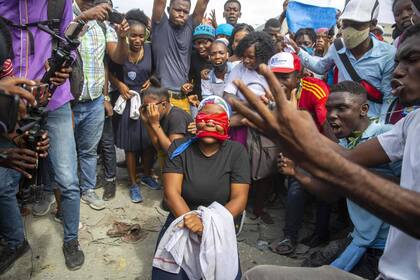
(264, 46)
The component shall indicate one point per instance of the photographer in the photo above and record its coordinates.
(89, 112)
(32, 47)
(16, 159)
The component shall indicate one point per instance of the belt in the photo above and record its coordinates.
(176, 94)
(88, 100)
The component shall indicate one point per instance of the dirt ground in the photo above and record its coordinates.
(109, 258)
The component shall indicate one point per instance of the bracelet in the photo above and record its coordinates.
(107, 98)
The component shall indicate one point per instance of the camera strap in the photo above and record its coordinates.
(55, 13)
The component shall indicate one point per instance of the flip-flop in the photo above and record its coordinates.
(134, 234)
(119, 229)
(288, 247)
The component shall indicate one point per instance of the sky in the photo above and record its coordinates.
(254, 12)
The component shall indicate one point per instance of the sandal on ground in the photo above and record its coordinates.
(284, 247)
(119, 229)
(134, 235)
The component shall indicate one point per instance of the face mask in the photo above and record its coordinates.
(309, 50)
(353, 37)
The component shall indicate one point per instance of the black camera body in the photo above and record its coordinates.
(115, 17)
(62, 54)
(9, 109)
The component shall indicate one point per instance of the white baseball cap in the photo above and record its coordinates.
(284, 62)
(361, 10)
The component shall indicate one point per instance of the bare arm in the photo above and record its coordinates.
(367, 154)
(158, 10)
(164, 140)
(114, 81)
(238, 199)
(317, 187)
(200, 9)
(172, 186)
(395, 205)
(118, 52)
(283, 13)
(152, 135)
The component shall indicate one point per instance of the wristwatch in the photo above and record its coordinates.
(107, 98)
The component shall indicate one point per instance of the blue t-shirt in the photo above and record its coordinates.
(370, 231)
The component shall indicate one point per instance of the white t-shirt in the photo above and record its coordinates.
(256, 82)
(401, 258)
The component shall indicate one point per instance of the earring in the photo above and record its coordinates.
(411, 19)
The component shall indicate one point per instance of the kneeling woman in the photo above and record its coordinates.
(203, 170)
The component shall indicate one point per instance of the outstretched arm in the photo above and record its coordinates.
(158, 10)
(200, 9)
(296, 129)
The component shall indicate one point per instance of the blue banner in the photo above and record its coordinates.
(306, 16)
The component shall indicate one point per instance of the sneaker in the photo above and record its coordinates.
(58, 217)
(43, 207)
(109, 189)
(9, 256)
(91, 198)
(135, 194)
(73, 255)
(150, 182)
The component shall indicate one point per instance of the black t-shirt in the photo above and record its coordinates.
(197, 65)
(176, 122)
(209, 179)
(172, 51)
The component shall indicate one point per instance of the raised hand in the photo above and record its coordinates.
(98, 12)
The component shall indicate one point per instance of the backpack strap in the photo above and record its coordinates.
(338, 44)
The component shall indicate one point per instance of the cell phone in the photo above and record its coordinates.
(115, 17)
(9, 109)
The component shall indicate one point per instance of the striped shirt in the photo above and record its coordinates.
(312, 96)
(92, 51)
(6, 69)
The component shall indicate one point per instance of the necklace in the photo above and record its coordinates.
(139, 57)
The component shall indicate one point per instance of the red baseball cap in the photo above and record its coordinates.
(285, 62)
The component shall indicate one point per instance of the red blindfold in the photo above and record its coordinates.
(220, 120)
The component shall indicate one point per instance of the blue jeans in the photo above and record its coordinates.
(11, 225)
(295, 207)
(158, 274)
(89, 122)
(63, 167)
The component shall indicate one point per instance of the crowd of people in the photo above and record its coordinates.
(225, 119)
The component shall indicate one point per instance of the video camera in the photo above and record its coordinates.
(62, 54)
